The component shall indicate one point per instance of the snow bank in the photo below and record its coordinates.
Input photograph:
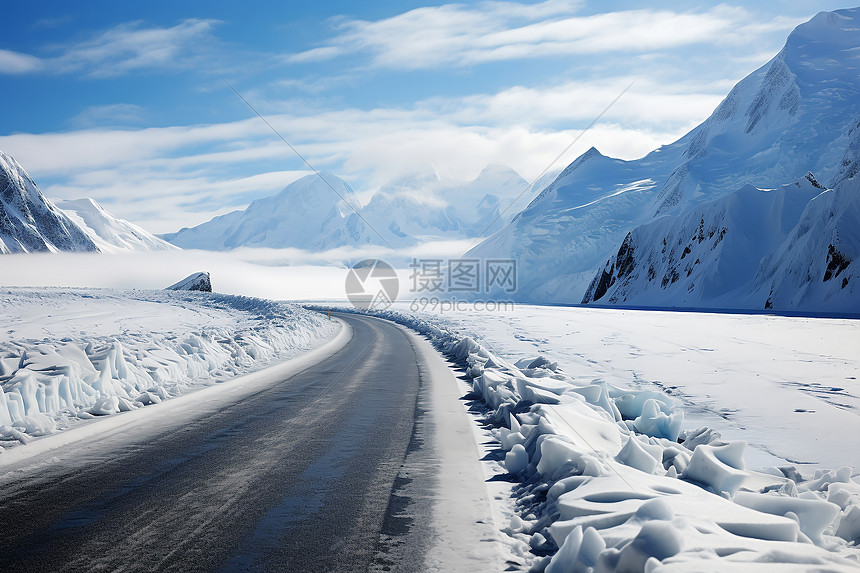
(110, 351)
(606, 479)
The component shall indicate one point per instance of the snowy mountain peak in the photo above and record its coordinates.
(28, 221)
(308, 215)
(797, 114)
(110, 234)
(314, 212)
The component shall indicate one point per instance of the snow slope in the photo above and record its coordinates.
(754, 248)
(29, 222)
(108, 233)
(72, 354)
(798, 113)
(604, 473)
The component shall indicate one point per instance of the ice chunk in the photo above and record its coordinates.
(105, 406)
(657, 539)
(511, 439)
(813, 515)
(630, 404)
(706, 468)
(36, 424)
(643, 457)
(579, 552)
(655, 509)
(849, 526)
(516, 460)
(557, 453)
(565, 560)
(653, 422)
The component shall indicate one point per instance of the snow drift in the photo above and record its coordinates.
(88, 352)
(607, 479)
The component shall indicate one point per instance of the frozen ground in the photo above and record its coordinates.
(67, 355)
(599, 419)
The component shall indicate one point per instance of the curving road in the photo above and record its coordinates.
(300, 476)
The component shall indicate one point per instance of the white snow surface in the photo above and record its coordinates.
(658, 441)
(110, 234)
(798, 113)
(67, 355)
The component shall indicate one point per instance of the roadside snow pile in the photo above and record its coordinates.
(69, 354)
(607, 480)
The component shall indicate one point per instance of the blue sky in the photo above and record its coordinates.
(127, 102)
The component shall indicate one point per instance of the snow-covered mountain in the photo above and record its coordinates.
(753, 248)
(29, 222)
(110, 234)
(32, 223)
(426, 206)
(815, 268)
(798, 113)
(308, 215)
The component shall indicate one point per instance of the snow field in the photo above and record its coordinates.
(606, 479)
(105, 351)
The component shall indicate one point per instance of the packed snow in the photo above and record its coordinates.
(68, 355)
(644, 441)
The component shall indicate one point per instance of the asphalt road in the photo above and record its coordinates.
(298, 477)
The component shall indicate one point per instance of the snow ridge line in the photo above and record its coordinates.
(606, 480)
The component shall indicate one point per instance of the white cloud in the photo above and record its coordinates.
(460, 35)
(18, 63)
(112, 115)
(130, 47)
(315, 55)
(166, 178)
(122, 49)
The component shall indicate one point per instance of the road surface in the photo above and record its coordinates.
(301, 476)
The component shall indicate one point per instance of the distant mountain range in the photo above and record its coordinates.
(31, 223)
(596, 233)
(319, 212)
